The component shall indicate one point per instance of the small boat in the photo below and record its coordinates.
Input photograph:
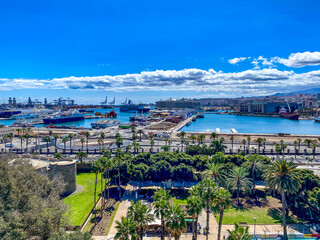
(188, 123)
(139, 118)
(104, 123)
(317, 119)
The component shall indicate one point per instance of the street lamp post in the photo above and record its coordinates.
(255, 220)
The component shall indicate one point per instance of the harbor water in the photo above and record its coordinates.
(224, 122)
(252, 124)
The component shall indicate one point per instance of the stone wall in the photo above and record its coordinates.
(67, 170)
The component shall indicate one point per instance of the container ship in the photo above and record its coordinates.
(133, 108)
(289, 115)
(62, 117)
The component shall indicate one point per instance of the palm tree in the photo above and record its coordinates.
(308, 142)
(248, 139)
(239, 233)
(232, 139)
(95, 168)
(175, 221)
(119, 155)
(100, 143)
(208, 190)
(119, 142)
(109, 166)
(102, 136)
(136, 147)
(21, 140)
(64, 140)
(295, 149)
(5, 137)
(23, 131)
(140, 132)
(182, 140)
(87, 135)
(192, 137)
(47, 139)
(165, 148)
(18, 131)
(282, 176)
(70, 136)
(27, 136)
(161, 203)
(213, 135)
(10, 136)
(201, 137)
(259, 142)
(299, 142)
(128, 148)
(81, 156)
(221, 203)
(152, 144)
(103, 169)
(215, 172)
(278, 150)
(140, 213)
(255, 165)
(314, 145)
(238, 180)
(133, 131)
(194, 207)
(82, 140)
(283, 147)
(244, 141)
(126, 229)
(55, 141)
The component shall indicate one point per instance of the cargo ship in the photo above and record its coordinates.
(62, 117)
(289, 115)
(133, 108)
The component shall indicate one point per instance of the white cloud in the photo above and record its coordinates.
(236, 60)
(250, 82)
(298, 60)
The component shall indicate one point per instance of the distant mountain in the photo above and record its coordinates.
(310, 91)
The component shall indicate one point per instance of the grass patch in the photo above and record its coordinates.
(179, 201)
(81, 203)
(112, 217)
(268, 213)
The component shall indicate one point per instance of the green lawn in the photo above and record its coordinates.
(179, 201)
(264, 215)
(81, 203)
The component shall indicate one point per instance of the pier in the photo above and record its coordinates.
(233, 130)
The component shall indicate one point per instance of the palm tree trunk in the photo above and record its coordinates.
(141, 232)
(162, 228)
(196, 233)
(284, 220)
(108, 184)
(95, 193)
(208, 212)
(238, 195)
(193, 227)
(220, 224)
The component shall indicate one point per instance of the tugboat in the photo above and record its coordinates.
(289, 115)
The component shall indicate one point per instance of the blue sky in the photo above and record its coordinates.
(183, 47)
